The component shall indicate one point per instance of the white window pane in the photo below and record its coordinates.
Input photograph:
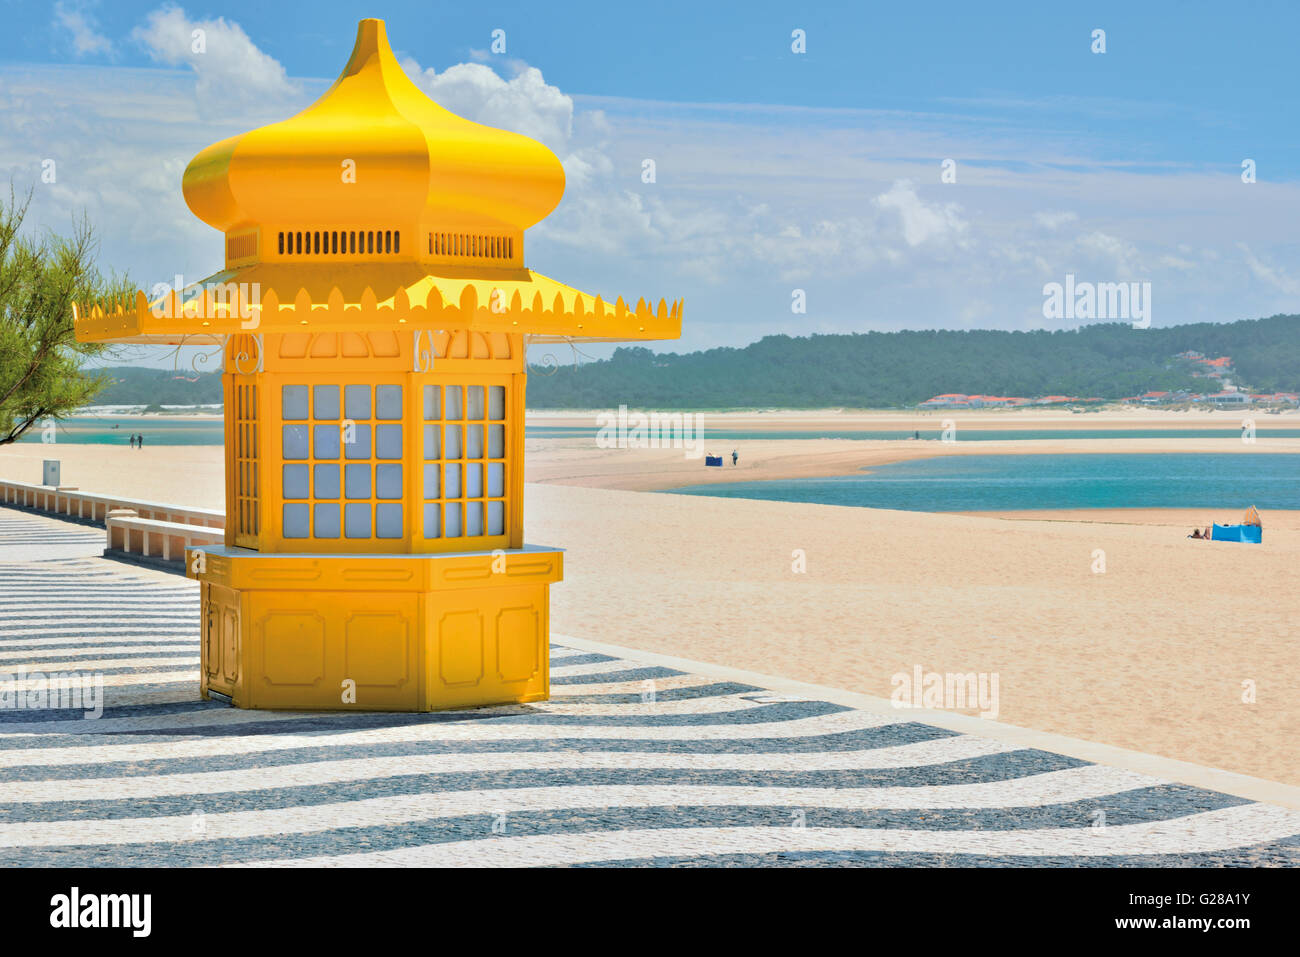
(455, 395)
(388, 441)
(325, 441)
(388, 402)
(451, 520)
(473, 518)
(359, 447)
(433, 401)
(431, 483)
(496, 479)
(325, 402)
(357, 401)
(496, 402)
(450, 441)
(496, 520)
(295, 521)
(358, 520)
(294, 481)
(475, 402)
(451, 481)
(388, 481)
(432, 447)
(357, 479)
(473, 441)
(388, 521)
(326, 521)
(473, 480)
(293, 402)
(496, 441)
(326, 481)
(432, 525)
(293, 441)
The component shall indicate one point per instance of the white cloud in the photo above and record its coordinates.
(85, 36)
(1054, 220)
(1121, 255)
(232, 75)
(525, 103)
(1272, 275)
(921, 221)
(1177, 262)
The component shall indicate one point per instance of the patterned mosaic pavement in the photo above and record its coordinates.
(629, 764)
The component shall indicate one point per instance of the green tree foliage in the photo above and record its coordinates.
(900, 369)
(41, 362)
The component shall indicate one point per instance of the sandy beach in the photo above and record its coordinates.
(577, 460)
(1154, 654)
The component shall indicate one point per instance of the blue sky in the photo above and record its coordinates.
(776, 170)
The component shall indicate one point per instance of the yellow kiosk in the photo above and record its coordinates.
(374, 312)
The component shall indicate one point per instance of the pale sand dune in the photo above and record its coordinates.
(1150, 655)
(577, 461)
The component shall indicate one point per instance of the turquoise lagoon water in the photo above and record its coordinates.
(1225, 482)
(962, 435)
(956, 484)
(100, 430)
(114, 430)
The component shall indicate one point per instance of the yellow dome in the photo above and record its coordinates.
(374, 157)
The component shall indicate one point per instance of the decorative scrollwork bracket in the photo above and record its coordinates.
(243, 358)
(423, 351)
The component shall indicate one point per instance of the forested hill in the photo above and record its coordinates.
(890, 369)
(128, 385)
(865, 370)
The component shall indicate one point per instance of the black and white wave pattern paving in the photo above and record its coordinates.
(27, 537)
(704, 772)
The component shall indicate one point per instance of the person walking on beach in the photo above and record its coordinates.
(734, 458)
(139, 441)
(132, 440)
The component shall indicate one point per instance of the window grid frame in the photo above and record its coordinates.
(342, 542)
(246, 480)
(413, 540)
(464, 541)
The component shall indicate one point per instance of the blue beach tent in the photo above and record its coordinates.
(1250, 530)
(1237, 533)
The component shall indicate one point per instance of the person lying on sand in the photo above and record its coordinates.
(1196, 533)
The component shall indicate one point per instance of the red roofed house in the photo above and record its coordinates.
(947, 400)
